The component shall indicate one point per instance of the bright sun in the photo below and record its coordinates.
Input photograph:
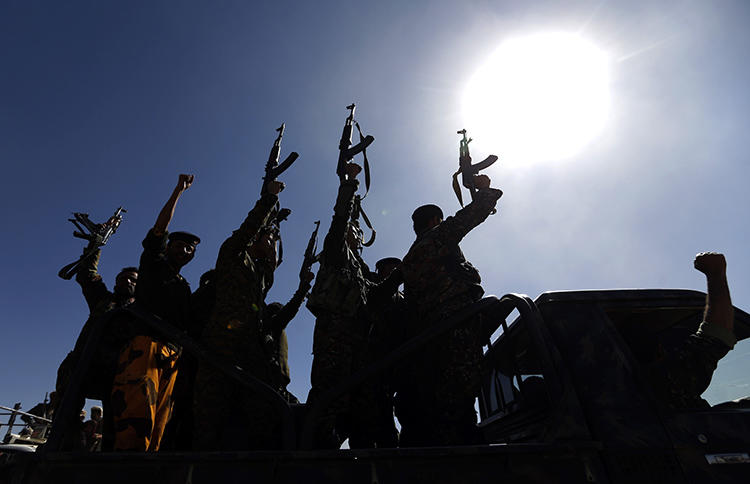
(538, 98)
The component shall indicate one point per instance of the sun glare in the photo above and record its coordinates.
(538, 98)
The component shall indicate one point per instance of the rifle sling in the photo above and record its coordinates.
(457, 187)
(358, 201)
(367, 163)
(71, 269)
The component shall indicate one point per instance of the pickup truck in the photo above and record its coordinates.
(564, 399)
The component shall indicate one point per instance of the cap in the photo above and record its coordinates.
(185, 237)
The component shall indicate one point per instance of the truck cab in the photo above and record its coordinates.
(570, 371)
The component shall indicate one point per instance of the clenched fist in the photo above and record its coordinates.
(481, 181)
(352, 170)
(184, 182)
(274, 187)
(710, 263)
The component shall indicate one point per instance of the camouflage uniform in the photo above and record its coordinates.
(228, 417)
(436, 406)
(146, 371)
(337, 298)
(97, 384)
(684, 373)
(276, 319)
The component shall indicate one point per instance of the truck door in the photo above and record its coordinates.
(712, 443)
(528, 404)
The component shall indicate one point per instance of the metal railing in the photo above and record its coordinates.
(12, 413)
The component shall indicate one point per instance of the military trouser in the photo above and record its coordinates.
(178, 435)
(435, 402)
(142, 393)
(371, 414)
(371, 417)
(334, 343)
(227, 415)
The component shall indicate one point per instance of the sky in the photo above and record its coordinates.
(103, 104)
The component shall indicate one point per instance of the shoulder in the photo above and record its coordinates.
(155, 241)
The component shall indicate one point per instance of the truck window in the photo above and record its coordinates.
(731, 379)
(514, 380)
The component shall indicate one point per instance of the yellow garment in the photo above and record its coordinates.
(142, 394)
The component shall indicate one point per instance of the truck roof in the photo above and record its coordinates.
(687, 300)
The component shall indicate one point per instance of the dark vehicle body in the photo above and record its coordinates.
(564, 399)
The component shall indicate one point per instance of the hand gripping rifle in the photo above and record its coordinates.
(467, 170)
(310, 257)
(346, 153)
(97, 234)
(273, 168)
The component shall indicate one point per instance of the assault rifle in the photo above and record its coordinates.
(466, 169)
(347, 152)
(310, 257)
(97, 234)
(273, 168)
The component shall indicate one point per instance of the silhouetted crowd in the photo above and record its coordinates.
(208, 369)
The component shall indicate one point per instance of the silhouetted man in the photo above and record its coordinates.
(437, 407)
(141, 396)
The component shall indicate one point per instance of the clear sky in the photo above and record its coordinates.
(104, 103)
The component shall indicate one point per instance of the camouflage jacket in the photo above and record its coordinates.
(435, 270)
(161, 289)
(241, 281)
(343, 279)
(681, 376)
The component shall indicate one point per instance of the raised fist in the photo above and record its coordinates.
(710, 263)
(352, 170)
(184, 182)
(274, 187)
(481, 181)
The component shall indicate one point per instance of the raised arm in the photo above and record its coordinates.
(335, 241)
(683, 374)
(93, 287)
(165, 216)
(455, 228)
(258, 216)
(719, 310)
(285, 315)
